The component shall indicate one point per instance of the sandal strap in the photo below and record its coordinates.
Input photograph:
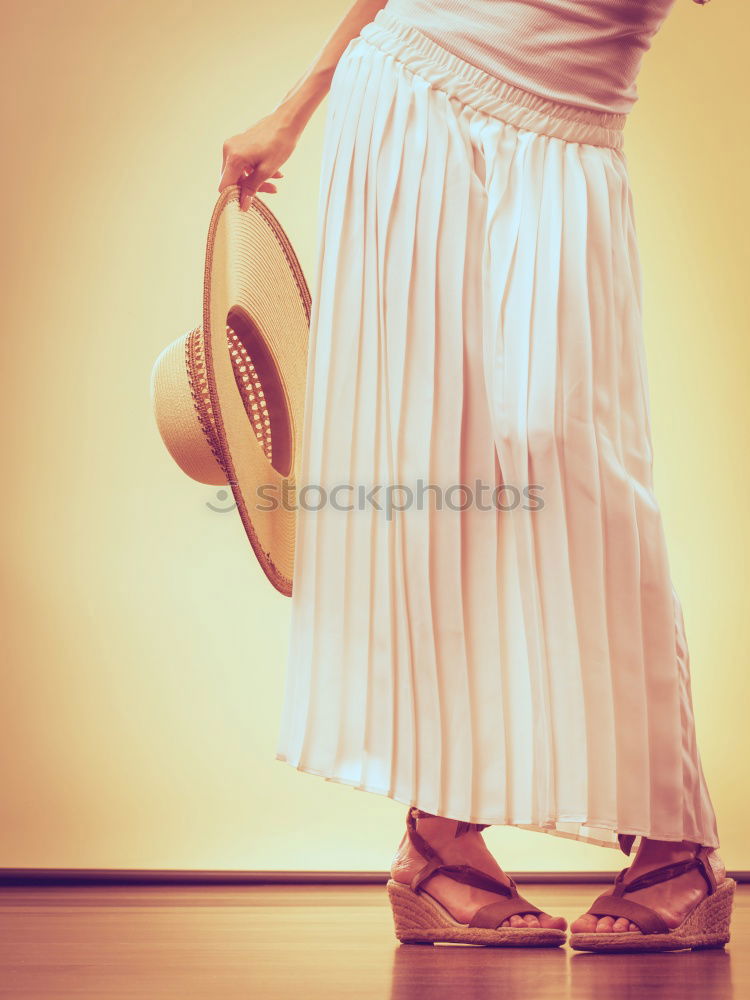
(424, 848)
(466, 874)
(493, 914)
(428, 852)
(649, 921)
(464, 827)
(667, 872)
(625, 840)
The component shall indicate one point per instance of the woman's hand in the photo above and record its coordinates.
(252, 156)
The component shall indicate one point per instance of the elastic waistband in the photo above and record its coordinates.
(481, 90)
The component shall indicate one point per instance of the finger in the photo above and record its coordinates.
(224, 179)
(267, 186)
(234, 169)
(256, 182)
(247, 193)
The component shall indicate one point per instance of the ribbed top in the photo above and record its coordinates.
(581, 52)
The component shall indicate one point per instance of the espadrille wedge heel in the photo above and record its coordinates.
(706, 926)
(420, 919)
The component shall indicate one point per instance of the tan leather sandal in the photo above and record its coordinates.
(420, 919)
(706, 926)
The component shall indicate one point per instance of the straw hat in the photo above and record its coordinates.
(229, 395)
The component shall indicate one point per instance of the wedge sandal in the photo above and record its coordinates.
(706, 926)
(420, 919)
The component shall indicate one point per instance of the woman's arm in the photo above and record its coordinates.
(251, 157)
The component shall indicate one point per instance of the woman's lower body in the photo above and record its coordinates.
(513, 652)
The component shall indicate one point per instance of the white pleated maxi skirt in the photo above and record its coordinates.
(483, 622)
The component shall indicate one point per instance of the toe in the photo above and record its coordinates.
(588, 922)
(585, 924)
(532, 920)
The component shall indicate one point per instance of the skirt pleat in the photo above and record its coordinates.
(483, 621)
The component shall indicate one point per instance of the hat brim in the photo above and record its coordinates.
(253, 279)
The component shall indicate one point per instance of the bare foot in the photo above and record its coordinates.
(461, 900)
(672, 900)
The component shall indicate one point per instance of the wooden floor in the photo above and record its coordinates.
(305, 942)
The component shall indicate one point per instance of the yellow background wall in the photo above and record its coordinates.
(143, 650)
